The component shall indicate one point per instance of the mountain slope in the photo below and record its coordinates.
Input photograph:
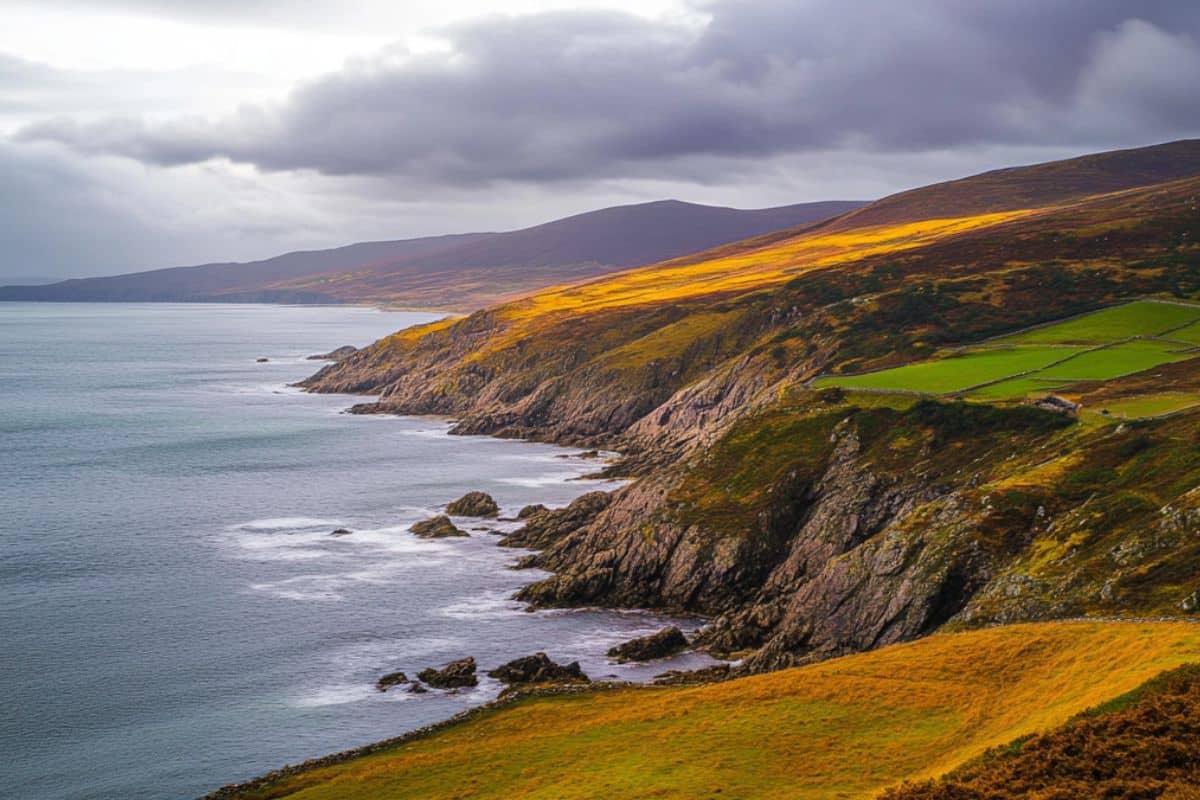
(843, 729)
(460, 271)
(812, 523)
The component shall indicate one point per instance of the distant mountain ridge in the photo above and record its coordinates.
(459, 271)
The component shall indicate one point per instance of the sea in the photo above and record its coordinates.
(174, 611)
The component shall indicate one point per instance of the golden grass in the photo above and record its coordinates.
(841, 729)
(762, 266)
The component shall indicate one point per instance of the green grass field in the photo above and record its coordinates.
(1152, 405)
(1098, 347)
(1140, 318)
(957, 373)
(1115, 361)
(1190, 334)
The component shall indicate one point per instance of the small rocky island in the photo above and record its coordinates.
(439, 527)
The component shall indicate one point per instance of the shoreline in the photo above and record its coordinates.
(605, 460)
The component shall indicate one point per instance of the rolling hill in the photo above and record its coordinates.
(450, 272)
(811, 521)
(847, 728)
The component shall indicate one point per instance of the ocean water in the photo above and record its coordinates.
(174, 613)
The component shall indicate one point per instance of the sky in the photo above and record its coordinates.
(137, 134)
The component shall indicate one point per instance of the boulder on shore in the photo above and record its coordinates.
(452, 676)
(666, 642)
(440, 527)
(390, 680)
(344, 351)
(690, 677)
(538, 668)
(474, 504)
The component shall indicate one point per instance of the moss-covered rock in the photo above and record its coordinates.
(474, 504)
(439, 527)
(663, 644)
(456, 674)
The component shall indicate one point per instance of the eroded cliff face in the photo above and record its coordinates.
(882, 527)
(808, 527)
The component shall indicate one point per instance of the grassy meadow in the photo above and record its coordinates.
(846, 728)
(1108, 344)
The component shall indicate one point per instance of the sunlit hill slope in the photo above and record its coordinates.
(843, 729)
(812, 520)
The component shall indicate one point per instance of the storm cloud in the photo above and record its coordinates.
(586, 94)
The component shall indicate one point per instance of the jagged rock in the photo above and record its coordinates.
(1060, 405)
(439, 527)
(391, 679)
(544, 527)
(344, 351)
(454, 675)
(528, 511)
(666, 642)
(1108, 592)
(538, 668)
(1191, 603)
(341, 532)
(685, 677)
(474, 504)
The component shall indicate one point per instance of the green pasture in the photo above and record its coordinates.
(1139, 318)
(1098, 347)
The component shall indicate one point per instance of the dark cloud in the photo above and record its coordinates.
(573, 95)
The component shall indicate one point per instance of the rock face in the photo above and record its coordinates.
(439, 527)
(544, 527)
(663, 644)
(474, 504)
(538, 668)
(391, 679)
(456, 674)
(530, 510)
(874, 529)
(345, 351)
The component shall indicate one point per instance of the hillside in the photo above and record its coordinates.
(461, 272)
(1142, 744)
(842, 729)
(816, 520)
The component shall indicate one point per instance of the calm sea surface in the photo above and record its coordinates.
(174, 614)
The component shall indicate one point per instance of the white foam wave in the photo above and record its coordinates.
(337, 695)
(539, 481)
(489, 605)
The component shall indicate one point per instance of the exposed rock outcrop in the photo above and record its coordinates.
(543, 526)
(455, 675)
(345, 351)
(530, 510)
(538, 668)
(662, 644)
(391, 679)
(439, 527)
(687, 677)
(474, 504)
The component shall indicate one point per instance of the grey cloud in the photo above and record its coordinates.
(579, 95)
